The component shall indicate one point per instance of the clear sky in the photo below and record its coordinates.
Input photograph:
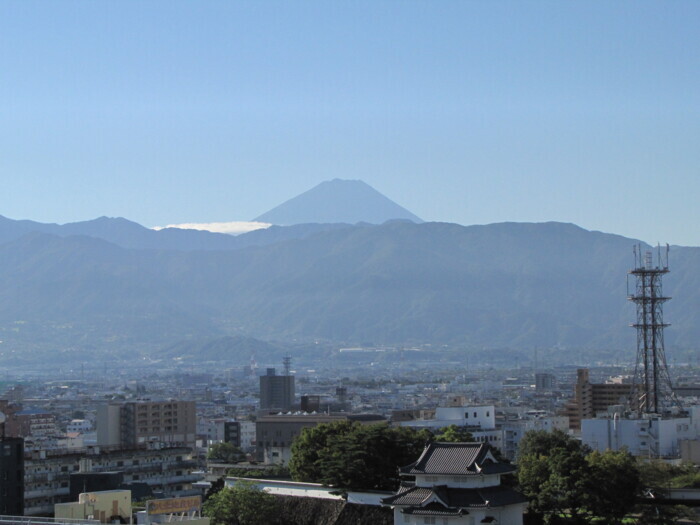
(470, 112)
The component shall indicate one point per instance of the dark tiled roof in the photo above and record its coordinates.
(454, 498)
(409, 496)
(461, 459)
(434, 509)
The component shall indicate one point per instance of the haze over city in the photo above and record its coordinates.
(467, 112)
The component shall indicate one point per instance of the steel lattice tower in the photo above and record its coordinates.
(652, 392)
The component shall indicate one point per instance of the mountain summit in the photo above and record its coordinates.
(347, 201)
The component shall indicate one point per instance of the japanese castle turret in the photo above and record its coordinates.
(456, 484)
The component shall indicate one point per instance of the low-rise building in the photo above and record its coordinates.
(479, 420)
(515, 429)
(47, 473)
(458, 484)
(651, 436)
(276, 433)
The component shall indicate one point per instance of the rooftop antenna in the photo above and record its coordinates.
(287, 361)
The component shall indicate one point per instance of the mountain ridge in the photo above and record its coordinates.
(507, 285)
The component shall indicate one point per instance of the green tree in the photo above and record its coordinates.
(454, 434)
(560, 476)
(350, 455)
(657, 477)
(614, 483)
(541, 442)
(243, 504)
(555, 484)
(226, 452)
(553, 474)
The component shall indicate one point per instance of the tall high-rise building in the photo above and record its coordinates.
(276, 392)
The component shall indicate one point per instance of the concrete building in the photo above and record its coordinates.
(592, 398)
(690, 450)
(649, 436)
(47, 473)
(515, 429)
(276, 433)
(457, 484)
(220, 430)
(545, 381)
(109, 506)
(137, 423)
(11, 476)
(115, 506)
(32, 422)
(79, 425)
(248, 434)
(479, 420)
(276, 392)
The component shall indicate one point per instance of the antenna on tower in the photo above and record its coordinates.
(652, 391)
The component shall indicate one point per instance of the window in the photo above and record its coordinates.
(429, 520)
(474, 414)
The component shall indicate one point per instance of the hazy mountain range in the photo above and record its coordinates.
(110, 286)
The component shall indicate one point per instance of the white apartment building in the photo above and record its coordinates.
(480, 420)
(648, 436)
(514, 430)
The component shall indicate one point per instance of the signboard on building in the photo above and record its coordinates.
(174, 505)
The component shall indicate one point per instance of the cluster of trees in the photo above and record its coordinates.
(563, 480)
(342, 454)
(561, 477)
(568, 483)
(243, 504)
(226, 453)
(350, 455)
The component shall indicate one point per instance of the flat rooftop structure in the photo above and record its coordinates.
(28, 520)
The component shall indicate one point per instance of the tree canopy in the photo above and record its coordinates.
(243, 504)
(226, 452)
(350, 455)
(561, 476)
(454, 434)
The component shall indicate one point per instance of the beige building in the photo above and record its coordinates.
(106, 506)
(136, 423)
(592, 398)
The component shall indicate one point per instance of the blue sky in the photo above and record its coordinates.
(470, 112)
